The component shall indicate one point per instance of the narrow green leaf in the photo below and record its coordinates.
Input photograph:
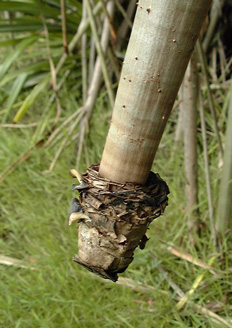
(15, 90)
(35, 79)
(27, 27)
(36, 8)
(32, 69)
(28, 102)
(10, 42)
(14, 55)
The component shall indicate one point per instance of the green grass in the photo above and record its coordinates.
(59, 293)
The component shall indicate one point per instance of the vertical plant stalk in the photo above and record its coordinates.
(53, 73)
(124, 26)
(83, 56)
(116, 69)
(209, 93)
(91, 59)
(222, 58)
(64, 25)
(112, 29)
(123, 12)
(100, 53)
(95, 81)
(156, 59)
(180, 123)
(97, 73)
(82, 114)
(216, 12)
(224, 209)
(81, 29)
(207, 175)
(190, 141)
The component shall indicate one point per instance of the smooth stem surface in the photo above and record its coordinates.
(162, 40)
(190, 133)
(207, 174)
(179, 124)
(224, 210)
(84, 57)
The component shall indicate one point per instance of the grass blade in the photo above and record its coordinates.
(28, 102)
(14, 55)
(195, 284)
(15, 90)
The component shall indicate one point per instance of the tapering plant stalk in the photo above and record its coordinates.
(162, 40)
(190, 132)
(216, 12)
(81, 29)
(64, 25)
(91, 59)
(224, 209)
(190, 96)
(207, 174)
(100, 52)
(124, 26)
(123, 12)
(82, 115)
(96, 78)
(84, 57)
(180, 123)
(112, 29)
(209, 93)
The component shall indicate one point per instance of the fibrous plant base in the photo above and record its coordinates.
(113, 219)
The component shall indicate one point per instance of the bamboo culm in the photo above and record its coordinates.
(162, 40)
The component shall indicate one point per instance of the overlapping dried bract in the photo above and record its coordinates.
(119, 215)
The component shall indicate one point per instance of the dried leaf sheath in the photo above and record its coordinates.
(118, 216)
